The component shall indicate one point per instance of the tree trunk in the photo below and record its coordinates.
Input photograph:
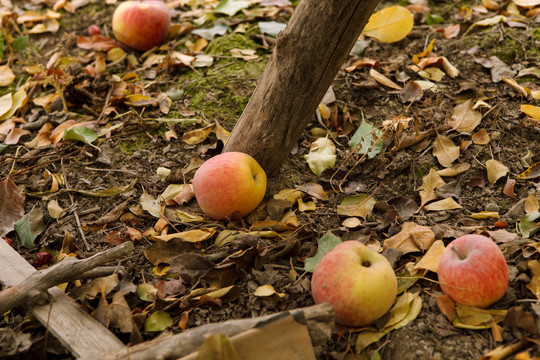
(308, 54)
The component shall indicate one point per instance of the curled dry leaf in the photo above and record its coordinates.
(322, 155)
(531, 204)
(531, 173)
(430, 182)
(454, 170)
(481, 137)
(411, 238)
(383, 80)
(485, 215)
(430, 261)
(444, 204)
(267, 290)
(447, 307)
(509, 188)
(495, 170)
(198, 136)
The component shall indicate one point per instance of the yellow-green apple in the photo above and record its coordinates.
(229, 186)
(141, 25)
(359, 283)
(472, 271)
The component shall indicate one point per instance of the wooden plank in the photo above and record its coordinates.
(79, 332)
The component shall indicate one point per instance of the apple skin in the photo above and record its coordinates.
(141, 25)
(229, 186)
(359, 283)
(472, 271)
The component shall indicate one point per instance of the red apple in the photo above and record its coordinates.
(43, 258)
(472, 271)
(141, 25)
(94, 30)
(359, 283)
(229, 186)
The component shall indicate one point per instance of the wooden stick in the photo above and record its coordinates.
(319, 320)
(67, 270)
(308, 54)
(77, 330)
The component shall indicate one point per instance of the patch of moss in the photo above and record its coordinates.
(137, 142)
(224, 44)
(536, 32)
(224, 90)
(421, 170)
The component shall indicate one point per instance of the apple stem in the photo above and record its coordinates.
(459, 253)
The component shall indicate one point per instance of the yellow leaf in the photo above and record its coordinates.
(390, 25)
(454, 170)
(427, 50)
(485, 215)
(531, 110)
(411, 238)
(193, 236)
(470, 317)
(306, 206)
(267, 290)
(198, 136)
(495, 170)
(534, 285)
(19, 99)
(430, 261)
(6, 75)
(445, 204)
(356, 205)
(445, 150)
(429, 183)
(290, 195)
(5, 103)
(140, 100)
(531, 204)
(321, 156)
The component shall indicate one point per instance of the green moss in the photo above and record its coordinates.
(536, 32)
(224, 44)
(223, 91)
(421, 170)
(137, 142)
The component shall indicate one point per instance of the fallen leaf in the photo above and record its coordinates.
(290, 195)
(217, 347)
(430, 182)
(444, 204)
(470, 317)
(231, 7)
(485, 215)
(367, 139)
(406, 309)
(531, 173)
(481, 137)
(411, 238)
(267, 290)
(315, 190)
(324, 245)
(390, 25)
(55, 210)
(6, 75)
(447, 307)
(509, 188)
(465, 118)
(445, 150)
(534, 284)
(495, 170)
(192, 236)
(454, 170)
(529, 225)
(29, 227)
(430, 261)
(383, 80)
(158, 321)
(11, 205)
(411, 92)
(356, 205)
(531, 204)
(322, 155)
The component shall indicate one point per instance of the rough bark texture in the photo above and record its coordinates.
(308, 54)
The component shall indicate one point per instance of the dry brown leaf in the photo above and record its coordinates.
(531, 204)
(356, 205)
(481, 137)
(452, 31)
(531, 173)
(465, 118)
(198, 136)
(454, 170)
(315, 190)
(445, 150)
(430, 182)
(192, 236)
(447, 307)
(6, 75)
(430, 261)
(411, 238)
(383, 80)
(42, 138)
(509, 188)
(495, 170)
(290, 195)
(445, 204)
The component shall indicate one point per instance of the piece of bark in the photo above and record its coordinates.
(319, 320)
(68, 270)
(77, 330)
(308, 54)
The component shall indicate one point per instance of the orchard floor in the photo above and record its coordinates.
(141, 144)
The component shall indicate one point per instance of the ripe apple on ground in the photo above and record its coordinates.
(472, 271)
(359, 283)
(141, 25)
(229, 186)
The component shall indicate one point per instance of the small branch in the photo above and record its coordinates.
(67, 270)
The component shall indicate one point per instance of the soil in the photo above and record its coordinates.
(143, 139)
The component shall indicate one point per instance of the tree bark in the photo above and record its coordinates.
(308, 54)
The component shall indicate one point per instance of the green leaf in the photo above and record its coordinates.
(356, 205)
(434, 19)
(2, 44)
(231, 7)
(529, 226)
(271, 28)
(21, 44)
(158, 321)
(2, 148)
(367, 139)
(29, 227)
(322, 155)
(325, 244)
(81, 133)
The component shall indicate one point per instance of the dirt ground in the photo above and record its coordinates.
(143, 139)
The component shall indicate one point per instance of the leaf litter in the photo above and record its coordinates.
(394, 198)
